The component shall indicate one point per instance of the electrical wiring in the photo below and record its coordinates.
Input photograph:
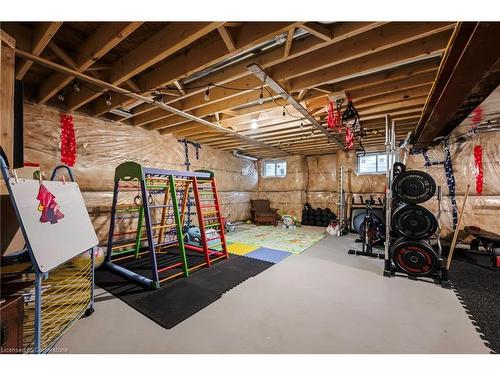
(166, 88)
(285, 109)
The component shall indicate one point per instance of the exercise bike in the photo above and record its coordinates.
(371, 233)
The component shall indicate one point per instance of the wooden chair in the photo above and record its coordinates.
(262, 212)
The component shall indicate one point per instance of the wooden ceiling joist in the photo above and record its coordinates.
(167, 41)
(288, 43)
(472, 53)
(197, 59)
(202, 56)
(382, 38)
(91, 50)
(135, 96)
(34, 40)
(41, 36)
(386, 67)
(383, 78)
(227, 38)
(318, 30)
(383, 99)
(267, 59)
(414, 51)
(364, 44)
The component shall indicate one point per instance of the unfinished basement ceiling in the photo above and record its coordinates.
(386, 67)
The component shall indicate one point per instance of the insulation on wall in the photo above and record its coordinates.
(287, 194)
(314, 180)
(481, 209)
(102, 145)
(366, 184)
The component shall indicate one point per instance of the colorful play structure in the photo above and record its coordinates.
(157, 236)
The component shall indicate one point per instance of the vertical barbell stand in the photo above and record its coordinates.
(390, 140)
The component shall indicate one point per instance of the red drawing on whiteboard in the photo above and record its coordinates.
(48, 205)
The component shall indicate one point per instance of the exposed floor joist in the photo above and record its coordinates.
(158, 75)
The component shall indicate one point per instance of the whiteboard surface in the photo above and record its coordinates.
(54, 244)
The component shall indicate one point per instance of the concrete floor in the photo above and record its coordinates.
(321, 301)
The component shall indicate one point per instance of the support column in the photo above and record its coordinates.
(7, 79)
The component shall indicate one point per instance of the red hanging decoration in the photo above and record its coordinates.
(478, 160)
(68, 140)
(349, 138)
(333, 119)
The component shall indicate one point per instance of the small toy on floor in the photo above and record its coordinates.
(333, 228)
(228, 226)
(289, 222)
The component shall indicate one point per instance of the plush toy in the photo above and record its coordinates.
(288, 222)
(333, 228)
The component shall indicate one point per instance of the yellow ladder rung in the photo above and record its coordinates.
(164, 226)
(157, 178)
(183, 179)
(209, 212)
(122, 246)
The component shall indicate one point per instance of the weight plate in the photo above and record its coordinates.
(414, 222)
(416, 258)
(414, 186)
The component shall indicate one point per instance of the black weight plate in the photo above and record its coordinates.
(414, 187)
(414, 222)
(416, 258)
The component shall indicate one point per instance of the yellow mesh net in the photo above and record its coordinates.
(66, 294)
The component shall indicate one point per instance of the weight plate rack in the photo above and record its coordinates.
(413, 226)
(409, 226)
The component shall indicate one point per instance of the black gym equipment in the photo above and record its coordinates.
(320, 217)
(414, 222)
(412, 226)
(489, 240)
(359, 218)
(414, 187)
(358, 211)
(371, 232)
(416, 258)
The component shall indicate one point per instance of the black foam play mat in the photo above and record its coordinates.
(177, 300)
(478, 288)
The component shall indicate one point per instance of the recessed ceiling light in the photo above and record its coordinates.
(254, 124)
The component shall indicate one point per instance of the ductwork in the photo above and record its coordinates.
(237, 154)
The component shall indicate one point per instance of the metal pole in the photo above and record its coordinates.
(149, 233)
(341, 202)
(393, 145)
(92, 277)
(439, 198)
(388, 197)
(38, 312)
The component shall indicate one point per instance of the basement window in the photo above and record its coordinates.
(274, 168)
(374, 163)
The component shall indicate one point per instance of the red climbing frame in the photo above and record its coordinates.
(207, 203)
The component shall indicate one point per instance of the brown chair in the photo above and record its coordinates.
(263, 213)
